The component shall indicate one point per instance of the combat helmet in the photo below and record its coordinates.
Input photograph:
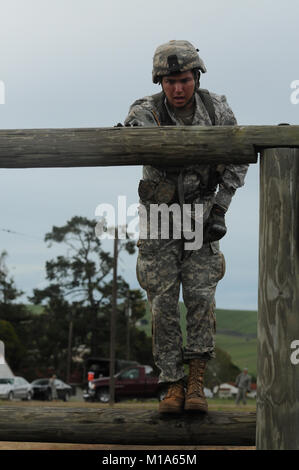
(175, 56)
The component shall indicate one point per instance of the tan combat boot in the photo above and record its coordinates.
(174, 400)
(195, 397)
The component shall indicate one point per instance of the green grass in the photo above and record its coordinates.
(236, 334)
(243, 322)
(241, 351)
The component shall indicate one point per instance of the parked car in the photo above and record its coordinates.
(15, 387)
(42, 389)
(99, 366)
(132, 382)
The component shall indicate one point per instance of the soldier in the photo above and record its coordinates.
(164, 265)
(243, 382)
(52, 382)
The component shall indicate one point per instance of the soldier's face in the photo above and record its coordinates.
(179, 88)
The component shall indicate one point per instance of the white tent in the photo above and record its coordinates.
(5, 370)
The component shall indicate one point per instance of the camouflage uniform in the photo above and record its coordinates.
(243, 382)
(163, 265)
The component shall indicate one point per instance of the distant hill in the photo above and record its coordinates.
(35, 309)
(236, 334)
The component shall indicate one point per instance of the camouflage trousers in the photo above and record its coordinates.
(241, 395)
(162, 268)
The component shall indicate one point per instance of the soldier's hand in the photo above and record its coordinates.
(133, 124)
(215, 227)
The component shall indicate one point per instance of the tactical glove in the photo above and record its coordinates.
(119, 124)
(215, 227)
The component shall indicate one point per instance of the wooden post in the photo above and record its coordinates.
(278, 310)
(113, 323)
(69, 350)
(128, 315)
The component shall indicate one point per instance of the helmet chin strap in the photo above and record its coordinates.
(191, 99)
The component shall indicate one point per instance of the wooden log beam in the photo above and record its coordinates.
(124, 426)
(278, 309)
(166, 146)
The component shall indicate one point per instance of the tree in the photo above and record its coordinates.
(135, 345)
(80, 288)
(221, 369)
(50, 331)
(8, 291)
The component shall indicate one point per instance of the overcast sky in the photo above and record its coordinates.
(75, 63)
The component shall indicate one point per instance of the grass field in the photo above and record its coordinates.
(242, 351)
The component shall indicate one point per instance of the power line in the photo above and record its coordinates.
(20, 233)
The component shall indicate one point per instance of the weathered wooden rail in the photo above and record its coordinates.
(124, 426)
(41, 148)
(278, 312)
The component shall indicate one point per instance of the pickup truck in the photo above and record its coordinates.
(132, 382)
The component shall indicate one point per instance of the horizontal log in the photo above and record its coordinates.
(166, 146)
(124, 426)
(8, 445)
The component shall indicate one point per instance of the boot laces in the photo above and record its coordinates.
(195, 384)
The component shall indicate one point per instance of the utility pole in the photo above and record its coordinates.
(128, 315)
(69, 349)
(113, 323)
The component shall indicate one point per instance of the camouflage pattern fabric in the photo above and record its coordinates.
(163, 265)
(244, 381)
(186, 56)
(142, 113)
